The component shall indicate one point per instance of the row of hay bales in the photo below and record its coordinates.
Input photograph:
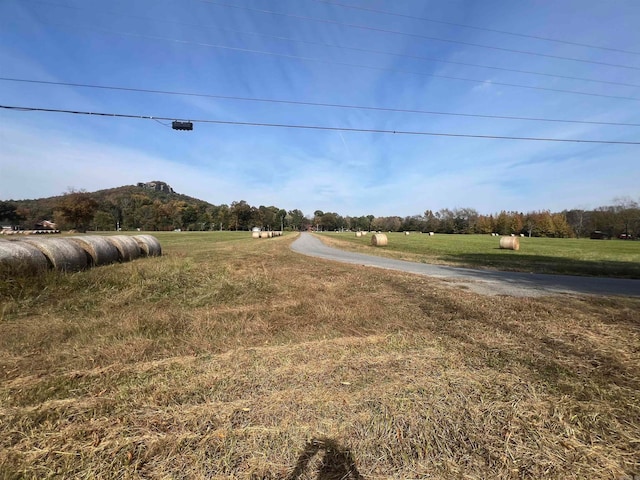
(266, 234)
(381, 240)
(75, 253)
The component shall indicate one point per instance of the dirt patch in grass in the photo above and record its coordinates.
(236, 359)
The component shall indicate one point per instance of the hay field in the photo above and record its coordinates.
(231, 357)
(571, 256)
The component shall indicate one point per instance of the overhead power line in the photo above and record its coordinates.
(312, 104)
(484, 29)
(416, 35)
(342, 47)
(320, 127)
(346, 64)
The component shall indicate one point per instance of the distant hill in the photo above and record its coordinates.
(155, 190)
(148, 206)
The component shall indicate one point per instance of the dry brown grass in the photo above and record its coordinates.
(226, 360)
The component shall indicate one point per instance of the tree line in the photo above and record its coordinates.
(621, 218)
(131, 208)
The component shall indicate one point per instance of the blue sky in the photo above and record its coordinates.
(229, 48)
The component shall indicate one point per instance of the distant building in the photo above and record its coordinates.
(46, 225)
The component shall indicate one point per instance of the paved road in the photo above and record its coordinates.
(488, 282)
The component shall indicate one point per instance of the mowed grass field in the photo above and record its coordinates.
(607, 258)
(231, 357)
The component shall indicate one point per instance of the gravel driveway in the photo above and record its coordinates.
(488, 282)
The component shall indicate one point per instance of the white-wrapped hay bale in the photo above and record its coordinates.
(127, 247)
(149, 245)
(510, 243)
(16, 257)
(63, 254)
(379, 240)
(431, 234)
(100, 251)
(406, 233)
(255, 234)
(358, 234)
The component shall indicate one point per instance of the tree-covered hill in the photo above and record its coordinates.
(147, 206)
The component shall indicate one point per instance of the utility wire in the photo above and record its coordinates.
(312, 104)
(415, 35)
(345, 64)
(162, 123)
(484, 29)
(343, 47)
(320, 127)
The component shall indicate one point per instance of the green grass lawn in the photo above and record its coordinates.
(611, 258)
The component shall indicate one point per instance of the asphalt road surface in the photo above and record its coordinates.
(488, 282)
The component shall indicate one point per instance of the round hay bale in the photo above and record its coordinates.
(63, 254)
(264, 234)
(21, 257)
(99, 250)
(510, 243)
(255, 234)
(379, 240)
(127, 247)
(406, 233)
(358, 234)
(149, 245)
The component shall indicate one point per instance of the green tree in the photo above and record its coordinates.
(9, 212)
(297, 219)
(317, 219)
(329, 221)
(282, 215)
(241, 213)
(103, 221)
(190, 218)
(431, 222)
